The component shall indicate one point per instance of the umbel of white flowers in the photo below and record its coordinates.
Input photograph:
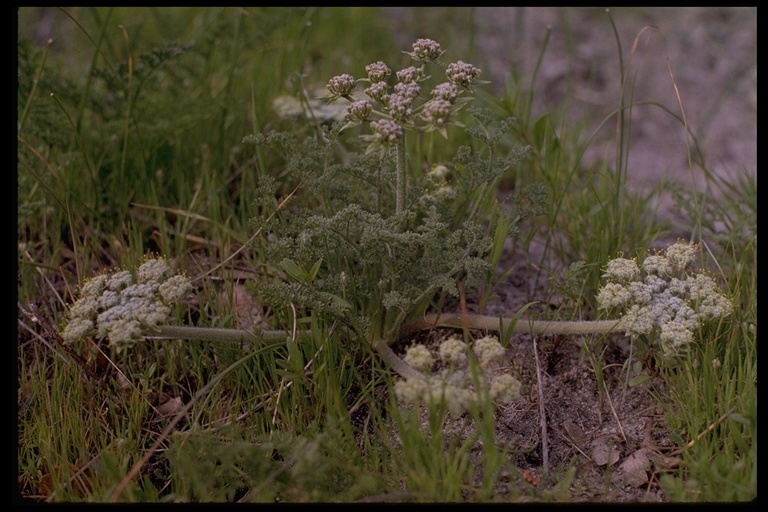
(662, 297)
(122, 307)
(453, 385)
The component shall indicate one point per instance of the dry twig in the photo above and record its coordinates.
(542, 411)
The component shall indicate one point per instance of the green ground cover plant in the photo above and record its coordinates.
(353, 209)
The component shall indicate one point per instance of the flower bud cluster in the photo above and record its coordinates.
(359, 111)
(410, 75)
(661, 297)
(452, 385)
(121, 307)
(426, 50)
(342, 85)
(377, 91)
(378, 72)
(386, 130)
(462, 74)
(446, 91)
(398, 104)
(409, 90)
(436, 111)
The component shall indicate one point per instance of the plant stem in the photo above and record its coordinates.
(382, 346)
(494, 323)
(217, 334)
(401, 189)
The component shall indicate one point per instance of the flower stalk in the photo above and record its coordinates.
(250, 339)
(401, 180)
(397, 108)
(521, 325)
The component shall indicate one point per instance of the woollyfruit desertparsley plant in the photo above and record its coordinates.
(373, 271)
(377, 277)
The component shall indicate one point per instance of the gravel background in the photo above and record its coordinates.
(711, 52)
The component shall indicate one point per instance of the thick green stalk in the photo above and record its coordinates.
(382, 346)
(493, 323)
(217, 334)
(239, 336)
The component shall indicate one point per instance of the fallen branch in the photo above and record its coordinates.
(542, 412)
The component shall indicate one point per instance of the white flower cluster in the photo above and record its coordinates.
(121, 307)
(661, 297)
(438, 188)
(452, 385)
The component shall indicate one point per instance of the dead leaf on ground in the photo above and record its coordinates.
(170, 407)
(246, 309)
(604, 451)
(77, 477)
(122, 381)
(575, 432)
(667, 462)
(634, 469)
